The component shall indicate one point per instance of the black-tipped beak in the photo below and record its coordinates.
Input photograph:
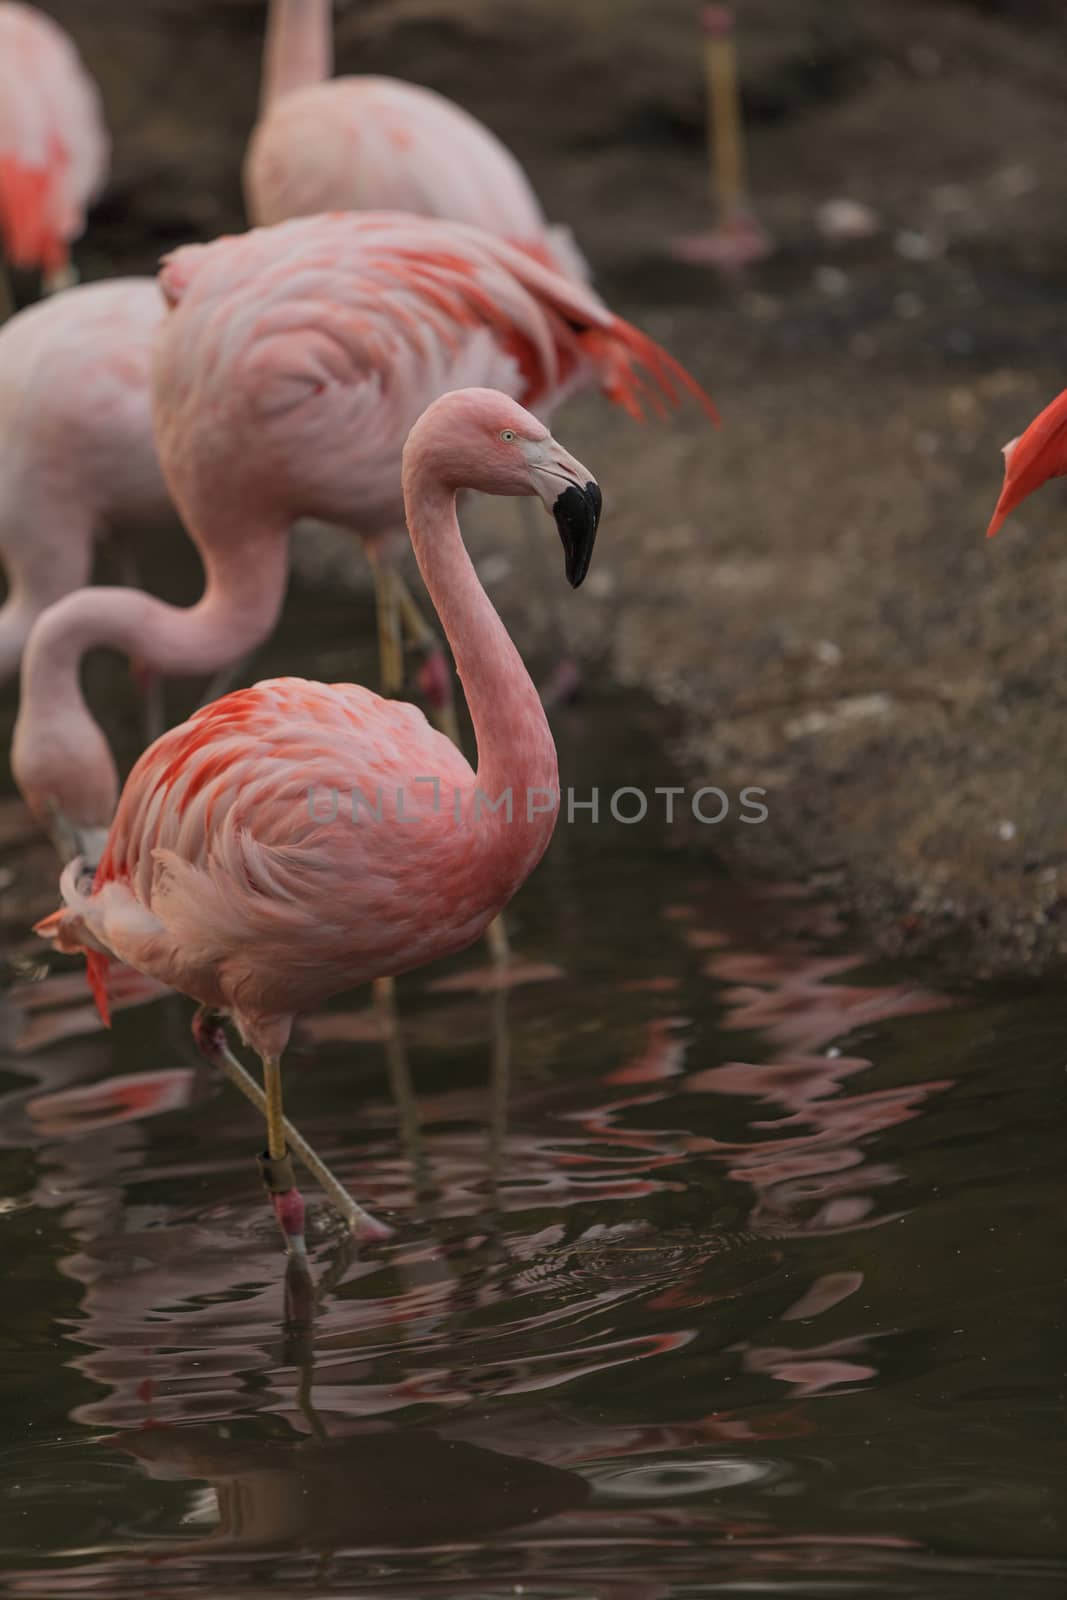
(577, 514)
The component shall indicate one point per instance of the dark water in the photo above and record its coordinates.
(755, 1289)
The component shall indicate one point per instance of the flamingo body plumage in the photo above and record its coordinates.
(293, 365)
(54, 146)
(367, 143)
(78, 456)
(219, 880)
(225, 874)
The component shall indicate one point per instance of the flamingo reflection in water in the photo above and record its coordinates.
(453, 1340)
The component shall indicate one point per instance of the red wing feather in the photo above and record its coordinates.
(1039, 454)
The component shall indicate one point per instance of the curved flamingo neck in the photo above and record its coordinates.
(61, 759)
(299, 48)
(516, 750)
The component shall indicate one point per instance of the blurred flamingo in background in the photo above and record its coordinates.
(1032, 459)
(221, 875)
(376, 144)
(54, 146)
(287, 377)
(79, 458)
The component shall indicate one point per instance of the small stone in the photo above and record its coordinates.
(1015, 181)
(841, 219)
(912, 245)
(907, 305)
(494, 569)
(1006, 831)
(924, 60)
(831, 281)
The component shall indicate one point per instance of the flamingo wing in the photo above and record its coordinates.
(238, 831)
(391, 311)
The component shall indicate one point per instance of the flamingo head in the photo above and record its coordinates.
(1030, 460)
(481, 439)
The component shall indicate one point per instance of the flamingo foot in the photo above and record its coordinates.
(435, 680)
(210, 1035)
(564, 684)
(735, 244)
(286, 1201)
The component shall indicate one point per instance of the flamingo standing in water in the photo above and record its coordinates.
(230, 874)
(54, 146)
(1038, 454)
(287, 377)
(78, 456)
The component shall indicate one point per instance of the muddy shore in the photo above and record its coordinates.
(809, 585)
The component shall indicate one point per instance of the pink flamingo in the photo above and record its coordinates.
(287, 377)
(376, 144)
(79, 459)
(54, 146)
(229, 875)
(1038, 454)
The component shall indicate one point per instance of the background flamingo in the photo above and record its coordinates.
(286, 381)
(377, 144)
(222, 877)
(54, 146)
(79, 458)
(1038, 454)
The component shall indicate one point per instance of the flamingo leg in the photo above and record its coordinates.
(422, 635)
(226, 680)
(277, 1167)
(436, 676)
(149, 683)
(211, 1041)
(401, 1084)
(62, 278)
(390, 643)
(7, 295)
(499, 1088)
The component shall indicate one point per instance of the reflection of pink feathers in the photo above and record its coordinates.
(54, 148)
(376, 144)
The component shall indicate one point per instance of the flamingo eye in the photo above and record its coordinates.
(508, 435)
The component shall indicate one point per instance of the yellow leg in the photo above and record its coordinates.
(499, 1086)
(7, 295)
(400, 1081)
(727, 137)
(210, 1036)
(390, 642)
(496, 937)
(422, 637)
(64, 278)
(272, 1083)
